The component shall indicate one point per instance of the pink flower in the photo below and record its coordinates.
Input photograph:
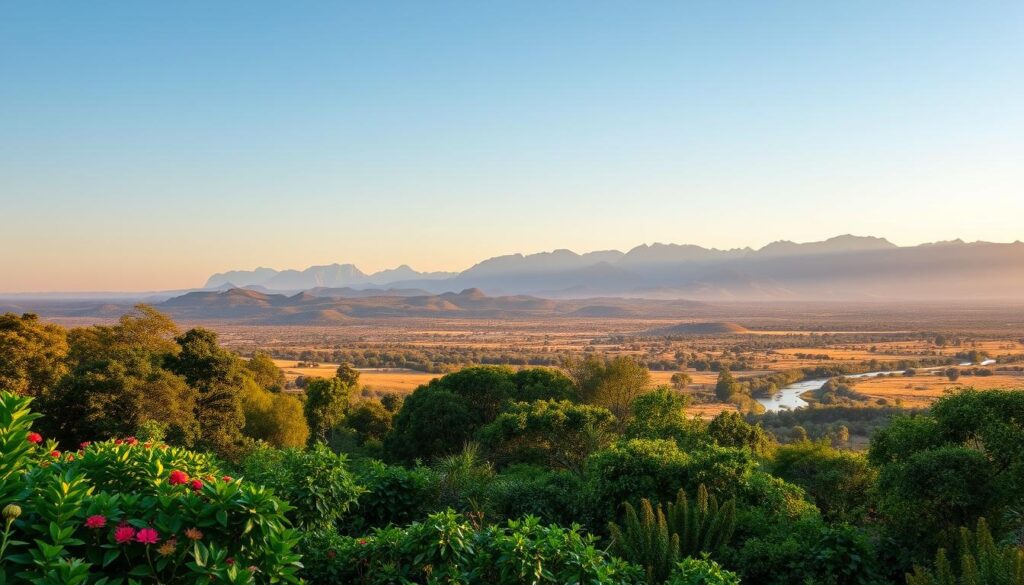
(96, 521)
(196, 485)
(131, 441)
(124, 533)
(362, 541)
(148, 536)
(84, 445)
(55, 453)
(230, 561)
(177, 477)
(34, 438)
(226, 478)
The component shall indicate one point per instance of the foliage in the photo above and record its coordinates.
(634, 469)
(728, 429)
(347, 374)
(122, 508)
(704, 571)
(808, 551)
(392, 495)
(658, 539)
(961, 461)
(839, 482)
(265, 373)
(273, 417)
(543, 384)
(325, 406)
(32, 354)
(315, 480)
(726, 386)
(559, 434)
(432, 421)
(217, 376)
(611, 383)
(370, 420)
(527, 490)
(446, 548)
(981, 562)
(661, 414)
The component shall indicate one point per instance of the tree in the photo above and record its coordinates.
(348, 374)
(217, 377)
(680, 380)
(613, 384)
(370, 420)
(728, 429)
(561, 434)
(433, 422)
(265, 372)
(661, 415)
(839, 482)
(33, 354)
(274, 417)
(727, 386)
(326, 403)
(961, 461)
(543, 384)
(953, 374)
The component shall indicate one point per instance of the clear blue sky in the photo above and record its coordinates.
(146, 144)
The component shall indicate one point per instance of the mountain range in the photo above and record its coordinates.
(840, 268)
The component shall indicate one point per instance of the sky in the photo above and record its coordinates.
(145, 145)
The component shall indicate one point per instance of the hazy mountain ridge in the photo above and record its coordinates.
(843, 267)
(305, 308)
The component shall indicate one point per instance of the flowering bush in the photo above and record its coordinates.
(125, 509)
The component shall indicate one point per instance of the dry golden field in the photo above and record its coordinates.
(921, 390)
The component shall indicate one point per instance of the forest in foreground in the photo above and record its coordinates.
(139, 453)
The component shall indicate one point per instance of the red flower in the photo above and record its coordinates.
(362, 541)
(34, 438)
(131, 441)
(96, 521)
(196, 485)
(55, 453)
(71, 457)
(148, 536)
(177, 477)
(230, 561)
(118, 441)
(331, 554)
(124, 533)
(226, 478)
(84, 445)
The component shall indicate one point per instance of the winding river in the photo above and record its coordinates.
(788, 397)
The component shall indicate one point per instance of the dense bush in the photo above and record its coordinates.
(392, 495)
(122, 508)
(446, 548)
(315, 480)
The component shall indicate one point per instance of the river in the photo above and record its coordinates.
(788, 397)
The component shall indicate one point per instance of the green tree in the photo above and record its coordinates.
(613, 384)
(728, 429)
(839, 482)
(370, 420)
(961, 461)
(348, 374)
(217, 376)
(981, 562)
(326, 403)
(33, 354)
(561, 434)
(726, 387)
(274, 417)
(661, 414)
(265, 372)
(432, 422)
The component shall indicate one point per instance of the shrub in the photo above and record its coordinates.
(315, 480)
(393, 495)
(982, 561)
(125, 508)
(701, 572)
(446, 548)
(657, 539)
